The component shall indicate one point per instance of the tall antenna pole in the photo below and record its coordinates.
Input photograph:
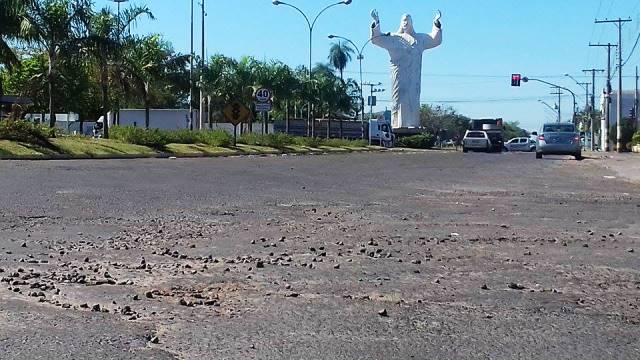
(191, 74)
(201, 124)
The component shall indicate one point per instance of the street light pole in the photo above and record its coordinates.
(202, 62)
(527, 79)
(547, 105)
(360, 58)
(191, 74)
(311, 25)
(116, 117)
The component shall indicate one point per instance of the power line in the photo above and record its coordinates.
(479, 76)
(465, 101)
(632, 50)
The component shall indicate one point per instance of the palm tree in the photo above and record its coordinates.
(339, 56)
(57, 27)
(104, 43)
(146, 62)
(11, 12)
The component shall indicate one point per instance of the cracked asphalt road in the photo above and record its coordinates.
(296, 257)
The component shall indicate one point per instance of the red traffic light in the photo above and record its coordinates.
(515, 79)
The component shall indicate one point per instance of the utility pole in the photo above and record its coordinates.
(202, 62)
(593, 102)
(191, 74)
(559, 93)
(371, 92)
(604, 123)
(619, 24)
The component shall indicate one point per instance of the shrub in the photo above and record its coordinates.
(154, 138)
(313, 142)
(215, 138)
(421, 141)
(277, 140)
(158, 139)
(627, 134)
(345, 143)
(635, 140)
(25, 131)
(183, 136)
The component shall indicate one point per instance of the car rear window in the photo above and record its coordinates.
(475, 134)
(559, 128)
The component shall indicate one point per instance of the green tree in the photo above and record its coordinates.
(104, 42)
(445, 122)
(11, 15)
(57, 28)
(339, 56)
(512, 130)
(147, 61)
(76, 92)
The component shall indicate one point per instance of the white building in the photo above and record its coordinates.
(628, 99)
(171, 119)
(68, 123)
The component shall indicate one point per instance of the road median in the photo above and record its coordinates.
(75, 148)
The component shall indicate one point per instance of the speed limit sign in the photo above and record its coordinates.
(263, 95)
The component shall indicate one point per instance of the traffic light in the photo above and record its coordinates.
(515, 79)
(632, 113)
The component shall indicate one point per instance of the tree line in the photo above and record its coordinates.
(69, 57)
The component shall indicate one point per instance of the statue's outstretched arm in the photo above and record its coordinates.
(377, 38)
(434, 39)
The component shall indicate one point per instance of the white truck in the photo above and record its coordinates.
(380, 132)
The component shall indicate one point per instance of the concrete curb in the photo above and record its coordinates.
(165, 155)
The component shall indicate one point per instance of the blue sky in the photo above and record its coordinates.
(484, 42)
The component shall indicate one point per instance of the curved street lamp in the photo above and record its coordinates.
(311, 25)
(360, 58)
(527, 79)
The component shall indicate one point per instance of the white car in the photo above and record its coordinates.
(520, 144)
(476, 140)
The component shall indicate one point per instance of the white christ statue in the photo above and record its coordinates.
(405, 49)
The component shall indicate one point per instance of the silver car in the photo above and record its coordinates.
(476, 140)
(520, 144)
(559, 139)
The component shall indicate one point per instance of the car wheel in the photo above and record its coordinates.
(538, 155)
(578, 156)
(464, 150)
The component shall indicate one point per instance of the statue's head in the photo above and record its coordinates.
(406, 25)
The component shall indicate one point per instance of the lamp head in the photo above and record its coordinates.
(331, 36)
(346, 2)
(276, 2)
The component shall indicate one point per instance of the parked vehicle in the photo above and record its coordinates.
(559, 139)
(520, 144)
(494, 130)
(476, 140)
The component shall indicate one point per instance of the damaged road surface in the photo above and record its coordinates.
(429, 255)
